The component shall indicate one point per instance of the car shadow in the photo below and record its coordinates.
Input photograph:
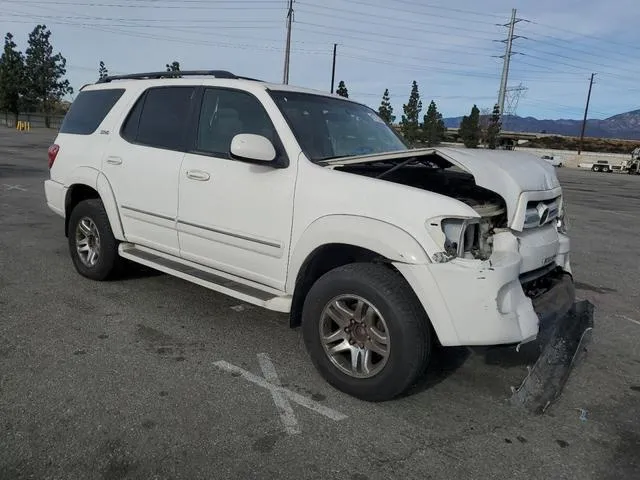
(507, 366)
(444, 362)
(136, 271)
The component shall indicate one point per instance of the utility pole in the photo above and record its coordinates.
(333, 69)
(507, 58)
(287, 52)
(586, 110)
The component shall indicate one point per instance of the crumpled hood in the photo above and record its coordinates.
(507, 173)
(492, 168)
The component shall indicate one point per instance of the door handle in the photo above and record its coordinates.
(114, 160)
(198, 175)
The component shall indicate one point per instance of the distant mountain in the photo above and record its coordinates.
(622, 126)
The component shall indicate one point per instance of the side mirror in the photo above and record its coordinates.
(248, 146)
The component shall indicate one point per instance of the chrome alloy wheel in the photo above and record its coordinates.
(355, 336)
(88, 242)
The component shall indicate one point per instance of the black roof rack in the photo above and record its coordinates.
(185, 73)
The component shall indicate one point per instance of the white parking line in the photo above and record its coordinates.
(280, 394)
(628, 318)
(282, 402)
(14, 187)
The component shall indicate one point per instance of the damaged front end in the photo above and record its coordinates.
(503, 274)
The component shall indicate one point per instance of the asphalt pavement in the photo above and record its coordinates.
(151, 377)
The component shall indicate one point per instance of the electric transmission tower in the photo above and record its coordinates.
(512, 98)
(508, 53)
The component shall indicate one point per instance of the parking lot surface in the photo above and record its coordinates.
(153, 377)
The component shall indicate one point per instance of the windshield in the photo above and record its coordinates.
(331, 128)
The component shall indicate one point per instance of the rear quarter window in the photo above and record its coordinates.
(89, 110)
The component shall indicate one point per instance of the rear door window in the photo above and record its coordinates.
(159, 118)
(89, 110)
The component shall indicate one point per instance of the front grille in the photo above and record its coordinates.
(541, 212)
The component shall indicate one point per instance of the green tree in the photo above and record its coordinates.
(11, 77)
(102, 71)
(470, 128)
(433, 128)
(44, 73)
(342, 89)
(493, 130)
(410, 123)
(173, 66)
(385, 110)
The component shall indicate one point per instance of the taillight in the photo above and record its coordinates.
(53, 153)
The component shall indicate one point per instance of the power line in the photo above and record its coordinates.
(600, 64)
(580, 67)
(414, 12)
(183, 41)
(450, 9)
(147, 20)
(595, 37)
(156, 7)
(335, 32)
(389, 21)
(422, 68)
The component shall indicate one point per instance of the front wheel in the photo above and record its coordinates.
(366, 332)
(93, 248)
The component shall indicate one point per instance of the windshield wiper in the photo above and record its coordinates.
(326, 159)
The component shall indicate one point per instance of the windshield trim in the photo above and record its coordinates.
(326, 161)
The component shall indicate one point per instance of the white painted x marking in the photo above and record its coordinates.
(15, 187)
(281, 396)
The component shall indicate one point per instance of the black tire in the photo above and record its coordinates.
(408, 329)
(594, 169)
(109, 264)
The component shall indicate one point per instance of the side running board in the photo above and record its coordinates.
(207, 277)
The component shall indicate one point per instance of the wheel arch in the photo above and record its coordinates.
(337, 240)
(84, 189)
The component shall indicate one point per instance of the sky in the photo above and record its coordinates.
(450, 48)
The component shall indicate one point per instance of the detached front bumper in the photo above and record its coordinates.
(473, 303)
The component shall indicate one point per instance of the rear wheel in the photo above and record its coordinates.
(93, 248)
(366, 332)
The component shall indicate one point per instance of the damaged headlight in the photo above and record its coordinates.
(464, 238)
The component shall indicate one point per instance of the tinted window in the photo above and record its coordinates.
(161, 117)
(328, 127)
(130, 129)
(88, 111)
(226, 113)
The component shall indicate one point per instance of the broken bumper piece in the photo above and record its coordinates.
(562, 341)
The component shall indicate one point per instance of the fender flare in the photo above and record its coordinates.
(111, 207)
(93, 178)
(383, 238)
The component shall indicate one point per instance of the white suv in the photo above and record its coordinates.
(308, 203)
